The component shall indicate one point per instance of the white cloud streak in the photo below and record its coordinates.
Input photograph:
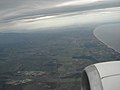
(77, 2)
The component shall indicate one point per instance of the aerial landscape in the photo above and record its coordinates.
(49, 60)
(45, 45)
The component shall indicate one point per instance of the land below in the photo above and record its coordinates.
(49, 60)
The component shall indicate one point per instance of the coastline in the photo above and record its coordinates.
(94, 33)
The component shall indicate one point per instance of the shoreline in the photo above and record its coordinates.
(104, 42)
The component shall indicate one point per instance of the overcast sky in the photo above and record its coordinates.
(39, 14)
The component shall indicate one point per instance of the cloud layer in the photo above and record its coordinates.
(38, 14)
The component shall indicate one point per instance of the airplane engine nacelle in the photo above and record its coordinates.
(101, 76)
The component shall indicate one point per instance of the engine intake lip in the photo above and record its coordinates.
(91, 79)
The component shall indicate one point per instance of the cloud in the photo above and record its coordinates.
(77, 2)
(93, 16)
(32, 14)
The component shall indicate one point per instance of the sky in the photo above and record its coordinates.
(20, 15)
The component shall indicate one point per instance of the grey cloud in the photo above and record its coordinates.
(20, 9)
(11, 4)
(7, 4)
(27, 14)
(30, 9)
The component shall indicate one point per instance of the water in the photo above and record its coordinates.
(110, 35)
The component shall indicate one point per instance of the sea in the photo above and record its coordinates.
(109, 34)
